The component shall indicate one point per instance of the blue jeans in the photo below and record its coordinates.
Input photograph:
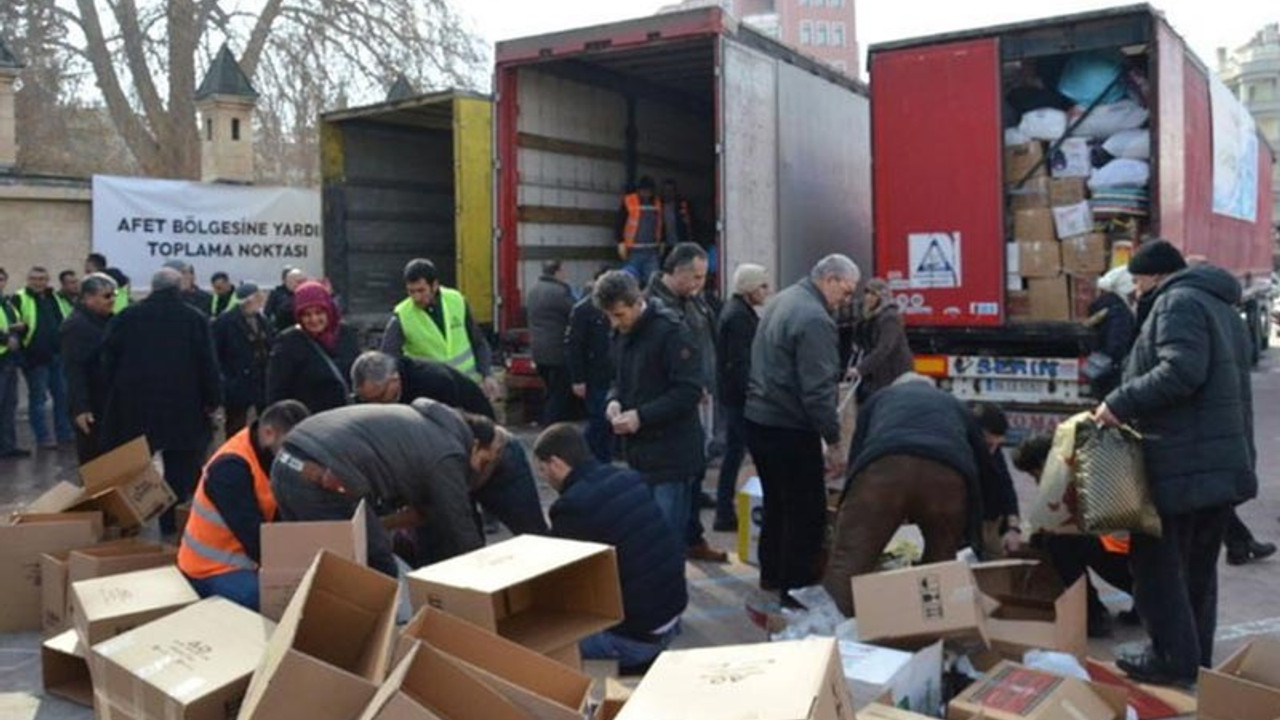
(8, 405)
(642, 262)
(674, 499)
(238, 586)
(628, 652)
(599, 431)
(735, 449)
(47, 380)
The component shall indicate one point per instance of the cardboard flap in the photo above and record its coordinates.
(59, 498)
(94, 562)
(116, 467)
(344, 614)
(511, 562)
(437, 683)
(130, 593)
(64, 669)
(293, 545)
(94, 519)
(1261, 662)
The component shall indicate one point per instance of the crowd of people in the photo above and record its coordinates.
(669, 379)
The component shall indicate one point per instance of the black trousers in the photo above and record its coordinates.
(182, 472)
(559, 393)
(88, 446)
(1238, 536)
(1073, 555)
(791, 470)
(1175, 583)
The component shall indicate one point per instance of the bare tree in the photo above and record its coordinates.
(145, 56)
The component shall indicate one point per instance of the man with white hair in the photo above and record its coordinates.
(791, 413)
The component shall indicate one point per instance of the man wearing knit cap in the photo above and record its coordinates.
(1186, 388)
(243, 338)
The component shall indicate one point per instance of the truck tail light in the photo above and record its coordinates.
(934, 366)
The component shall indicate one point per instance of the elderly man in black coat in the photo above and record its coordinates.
(164, 383)
(1187, 389)
(81, 336)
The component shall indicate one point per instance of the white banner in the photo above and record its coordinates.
(248, 232)
(1235, 155)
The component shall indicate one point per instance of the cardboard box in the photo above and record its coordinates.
(1014, 692)
(1084, 290)
(427, 685)
(799, 680)
(917, 606)
(64, 669)
(1072, 220)
(21, 547)
(93, 517)
(1048, 300)
(191, 665)
(750, 520)
(1068, 191)
(1034, 225)
(911, 681)
(334, 640)
(1072, 159)
(1085, 254)
(1022, 159)
(1039, 259)
(1033, 194)
(55, 577)
(1035, 610)
(123, 484)
(1017, 305)
(1149, 701)
(538, 685)
(543, 593)
(105, 607)
(877, 711)
(1246, 686)
(616, 696)
(289, 548)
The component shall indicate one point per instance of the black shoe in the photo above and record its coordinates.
(1146, 668)
(15, 453)
(1130, 618)
(725, 525)
(1251, 552)
(706, 502)
(1100, 625)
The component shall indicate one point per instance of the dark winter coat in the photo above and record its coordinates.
(279, 308)
(659, 374)
(440, 382)
(81, 338)
(886, 354)
(697, 316)
(162, 374)
(200, 300)
(42, 347)
(1113, 335)
(611, 505)
(548, 305)
(298, 371)
(737, 329)
(1187, 389)
(243, 357)
(587, 350)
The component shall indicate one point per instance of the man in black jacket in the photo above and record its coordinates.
(191, 292)
(611, 505)
(591, 369)
(42, 312)
(654, 403)
(279, 309)
(243, 338)
(11, 331)
(81, 338)
(548, 304)
(1001, 525)
(1187, 389)
(380, 378)
(734, 335)
(163, 382)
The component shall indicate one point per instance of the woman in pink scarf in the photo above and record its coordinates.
(311, 361)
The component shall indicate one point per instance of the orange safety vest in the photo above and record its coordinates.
(1116, 544)
(634, 209)
(208, 546)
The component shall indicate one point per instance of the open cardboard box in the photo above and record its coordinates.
(428, 685)
(1151, 702)
(543, 593)
(331, 649)
(911, 681)
(108, 558)
(1013, 692)
(191, 665)
(615, 698)
(288, 548)
(539, 685)
(1246, 686)
(1035, 611)
(64, 669)
(21, 548)
(917, 606)
(105, 607)
(798, 680)
(123, 484)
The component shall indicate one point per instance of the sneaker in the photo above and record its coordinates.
(702, 552)
(1251, 552)
(725, 525)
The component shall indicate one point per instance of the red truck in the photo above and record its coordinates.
(970, 248)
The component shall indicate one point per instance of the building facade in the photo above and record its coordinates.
(1252, 73)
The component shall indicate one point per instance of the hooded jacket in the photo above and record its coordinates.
(1187, 389)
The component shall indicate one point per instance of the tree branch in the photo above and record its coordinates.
(258, 38)
(126, 13)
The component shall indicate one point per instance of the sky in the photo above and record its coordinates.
(1205, 24)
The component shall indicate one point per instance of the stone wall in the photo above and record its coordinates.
(43, 222)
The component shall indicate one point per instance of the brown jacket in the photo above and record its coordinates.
(886, 355)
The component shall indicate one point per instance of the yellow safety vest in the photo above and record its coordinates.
(213, 304)
(122, 300)
(423, 339)
(28, 310)
(5, 309)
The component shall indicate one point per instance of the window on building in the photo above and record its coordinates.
(208, 128)
(235, 128)
(819, 33)
(806, 32)
(837, 34)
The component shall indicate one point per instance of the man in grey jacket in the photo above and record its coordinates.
(548, 304)
(791, 413)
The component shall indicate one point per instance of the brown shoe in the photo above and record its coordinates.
(705, 553)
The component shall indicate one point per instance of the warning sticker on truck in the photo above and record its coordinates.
(934, 260)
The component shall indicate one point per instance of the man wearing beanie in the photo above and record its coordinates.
(1186, 388)
(243, 338)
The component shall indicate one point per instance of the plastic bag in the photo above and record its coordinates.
(1056, 663)
(1107, 120)
(1054, 509)
(1044, 124)
(1015, 136)
(1122, 172)
(1088, 75)
(1111, 481)
(819, 617)
(1131, 144)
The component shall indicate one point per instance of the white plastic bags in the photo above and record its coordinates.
(1107, 120)
(1121, 172)
(1129, 144)
(1044, 124)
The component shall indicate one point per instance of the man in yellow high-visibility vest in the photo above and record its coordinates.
(436, 323)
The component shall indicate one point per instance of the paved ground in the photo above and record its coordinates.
(718, 592)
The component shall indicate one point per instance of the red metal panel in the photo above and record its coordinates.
(508, 172)
(1199, 163)
(706, 21)
(1261, 257)
(936, 140)
(1170, 181)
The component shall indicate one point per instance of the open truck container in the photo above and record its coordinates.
(771, 148)
(403, 179)
(943, 217)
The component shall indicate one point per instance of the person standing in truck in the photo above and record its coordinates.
(639, 231)
(677, 216)
(436, 323)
